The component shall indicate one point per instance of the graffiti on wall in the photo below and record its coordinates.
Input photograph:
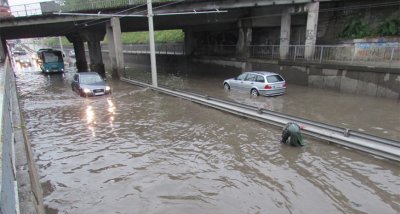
(377, 50)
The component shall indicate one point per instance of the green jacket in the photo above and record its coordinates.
(291, 133)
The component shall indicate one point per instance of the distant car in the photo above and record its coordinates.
(19, 52)
(258, 83)
(24, 60)
(89, 84)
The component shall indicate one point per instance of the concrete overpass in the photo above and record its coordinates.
(237, 23)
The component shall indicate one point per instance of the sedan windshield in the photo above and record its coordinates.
(90, 79)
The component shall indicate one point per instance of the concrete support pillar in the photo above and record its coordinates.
(113, 31)
(244, 39)
(96, 58)
(189, 41)
(93, 39)
(311, 29)
(286, 21)
(3, 50)
(79, 48)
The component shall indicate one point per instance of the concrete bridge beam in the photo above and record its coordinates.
(311, 29)
(93, 39)
(113, 32)
(79, 48)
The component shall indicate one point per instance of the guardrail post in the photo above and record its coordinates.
(295, 52)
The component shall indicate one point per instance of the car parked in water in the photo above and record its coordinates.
(258, 83)
(90, 84)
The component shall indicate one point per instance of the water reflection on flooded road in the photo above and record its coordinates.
(138, 151)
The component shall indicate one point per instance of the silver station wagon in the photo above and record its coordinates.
(258, 83)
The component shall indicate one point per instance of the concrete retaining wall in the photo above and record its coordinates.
(354, 80)
(377, 82)
(19, 183)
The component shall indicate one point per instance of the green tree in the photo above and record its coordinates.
(355, 28)
(390, 28)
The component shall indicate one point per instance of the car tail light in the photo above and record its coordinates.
(267, 87)
(284, 85)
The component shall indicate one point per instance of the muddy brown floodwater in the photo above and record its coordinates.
(138, 151)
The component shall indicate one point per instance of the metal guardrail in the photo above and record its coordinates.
(381, 147)
(9, 202)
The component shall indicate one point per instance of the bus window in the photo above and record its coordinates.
(52, 57)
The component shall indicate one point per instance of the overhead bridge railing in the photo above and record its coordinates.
(381, 147)
(44, 7)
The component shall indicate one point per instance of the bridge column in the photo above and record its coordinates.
(79, 48)
(3, 49)
(93, 39)
(190, 41)
(286, 21)
(244, 39)
(113, 29)
(311, 29)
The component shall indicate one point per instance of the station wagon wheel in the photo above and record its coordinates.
(254, 92)
(227, 87)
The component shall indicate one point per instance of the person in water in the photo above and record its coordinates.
(291, 134)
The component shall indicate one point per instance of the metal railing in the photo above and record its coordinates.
(9, 194)
(26, 10)
(386, 56)
(365, 55)
(101, 4)
(378, 56)
(39, 8)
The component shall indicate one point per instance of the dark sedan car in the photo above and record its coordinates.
(90, 84)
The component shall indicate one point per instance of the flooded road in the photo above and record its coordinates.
(138, 151)
(371, 115)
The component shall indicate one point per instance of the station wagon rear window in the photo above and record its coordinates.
(274, 78)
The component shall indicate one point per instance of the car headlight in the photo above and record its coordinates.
(86, 90)
(108, 88)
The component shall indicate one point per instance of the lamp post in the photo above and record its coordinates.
(152, 45)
